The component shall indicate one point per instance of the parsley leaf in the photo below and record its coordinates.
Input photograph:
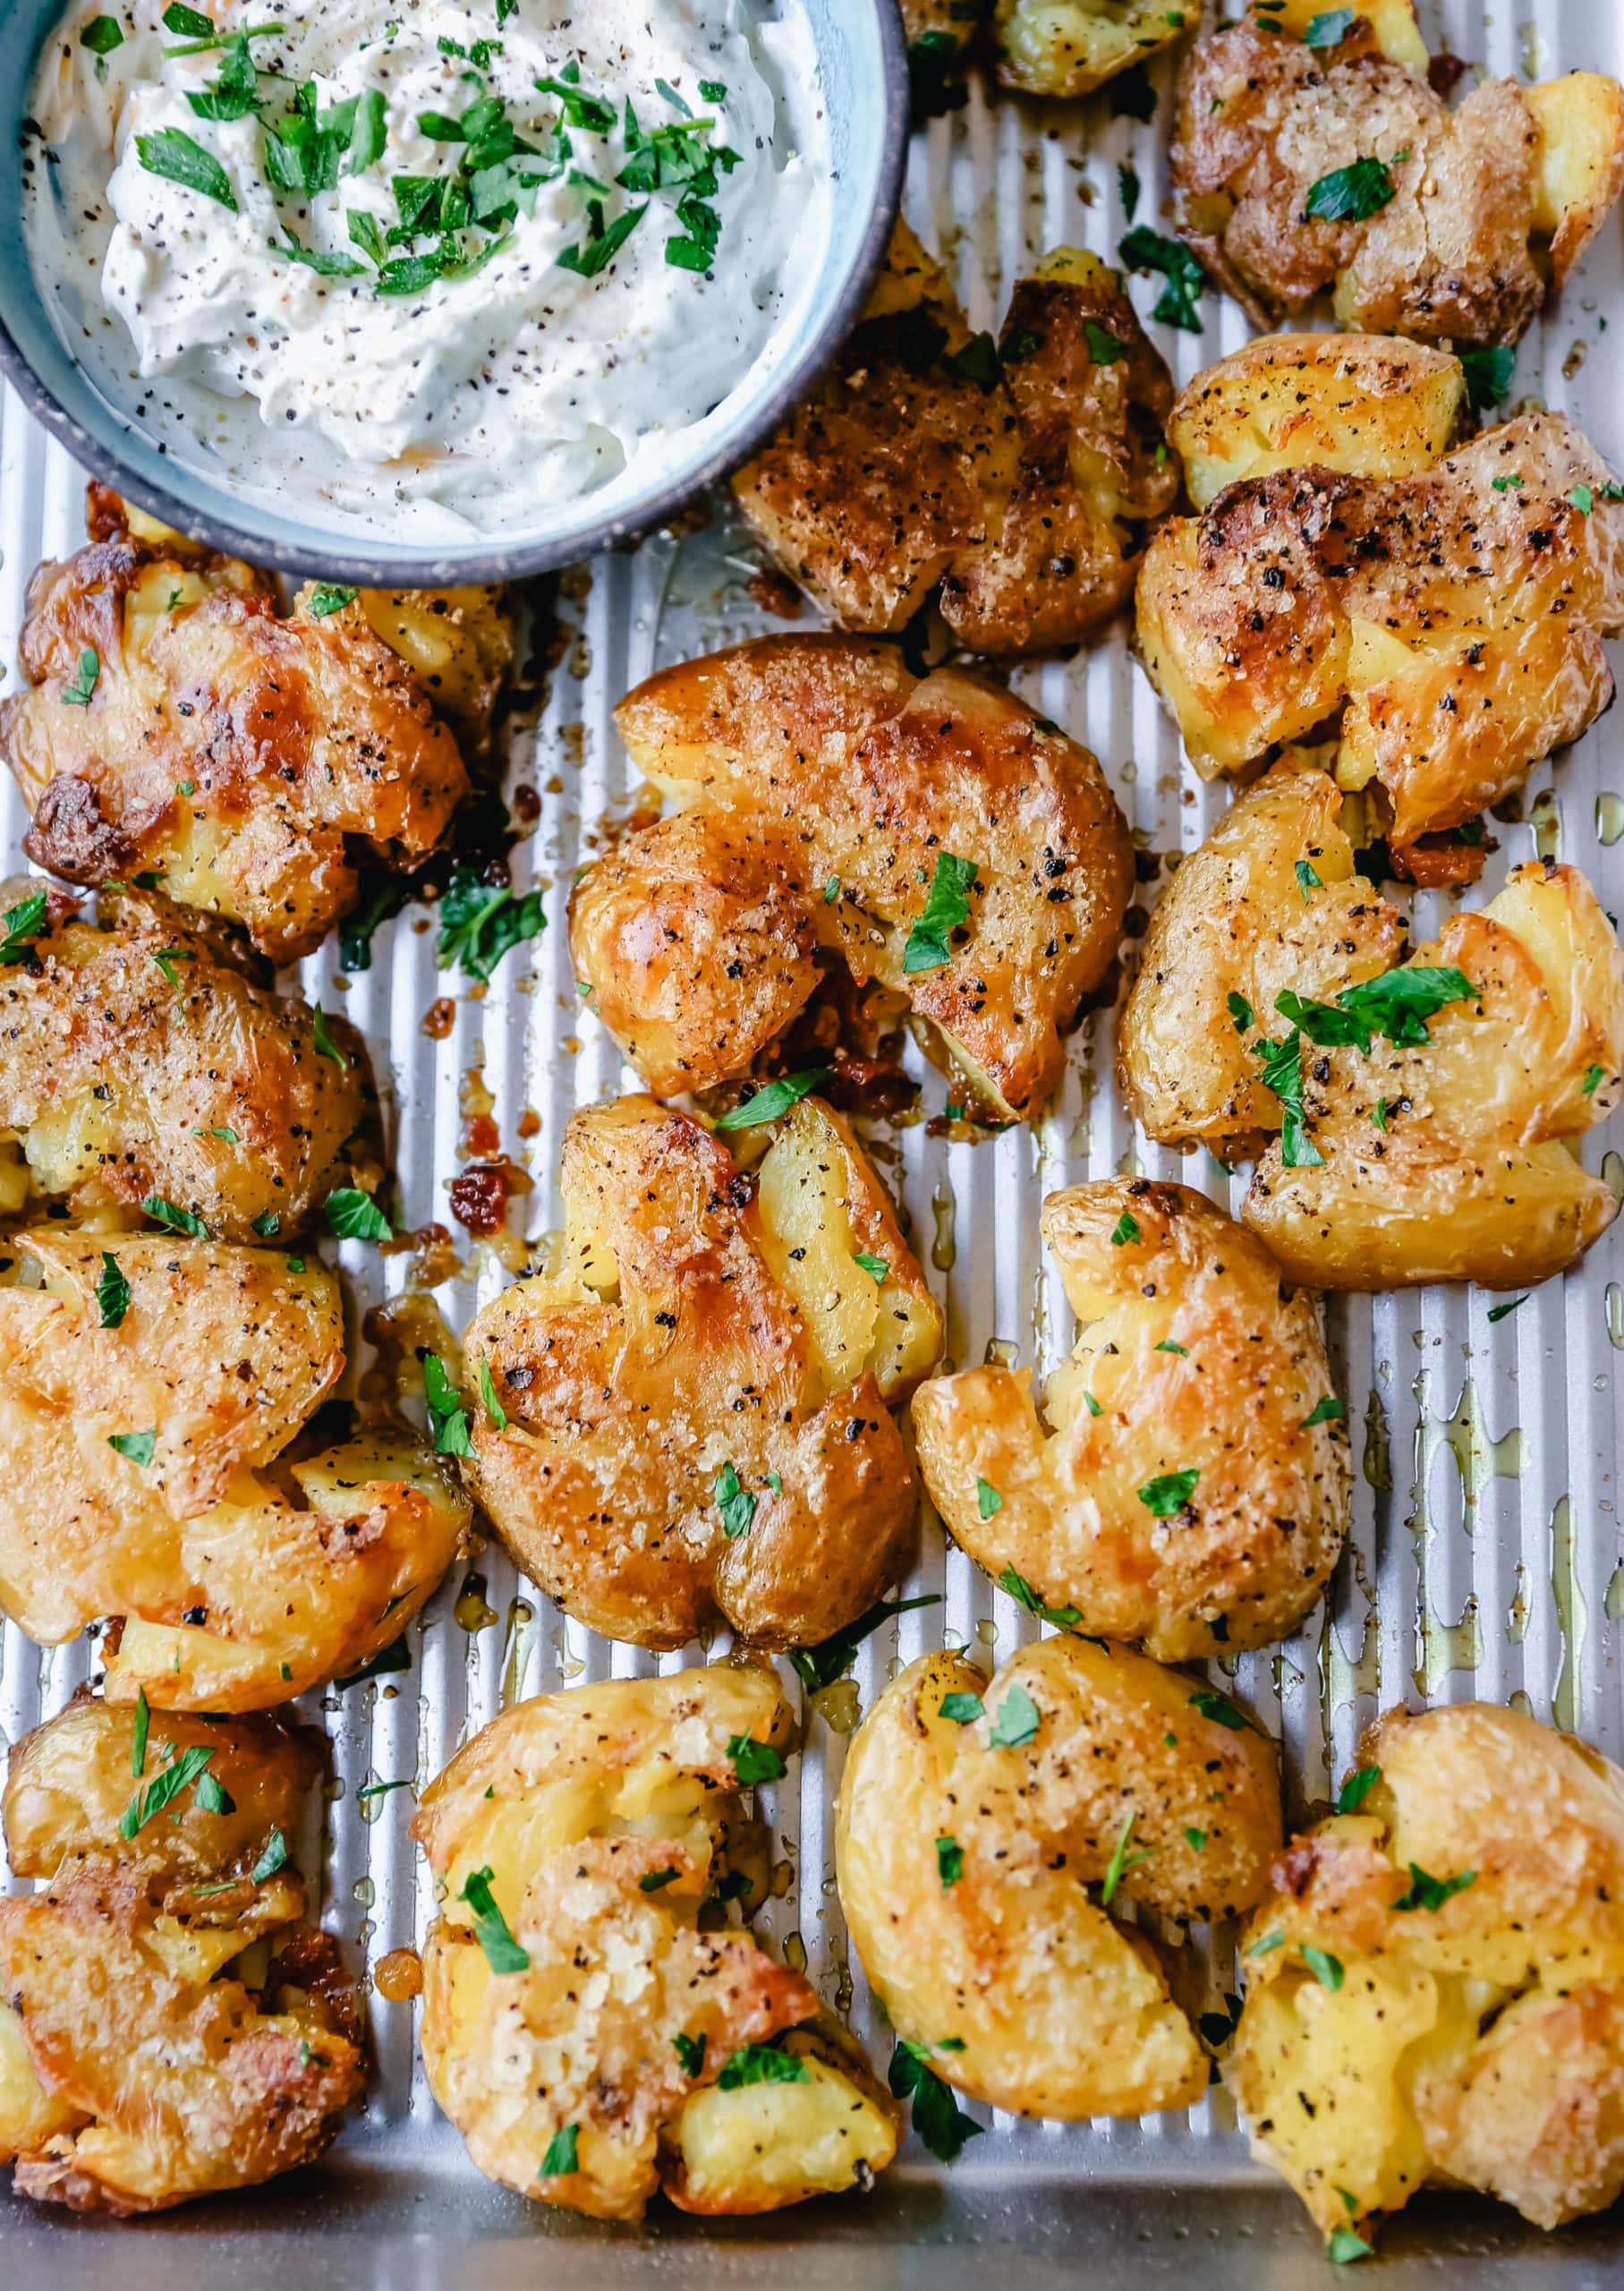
(1019, 1588)
(1017, 1722)
(762, 2063)
(1280, 1070)
(481, 922)
(987, 1499)
(1104, 348)
(938, 2118)
(162, 1789)
(355, 1216)
(138, 1746)
(1307, 879)
(503, 1954)
(1167, 1495)
(1350, 194)
(1488, 374)
(82, 690)
(754, 1761)
(735, 1502)
(1356, 1789)
(325, 1047)
(180, 158)
(1240, 1013)
(1128, 188)
(1220, 1710)
(1500, 1312)
(775, 1098)
(112, 1292)
(495, 1412)
(102, 35)
(271, 1858)
(1143, 249)
(1431, 1893)
(875, 1268)
(177, 1221)
(1124, 1230)
(689, 2054)
(1345, 2247)
(949, 1861)
(1328, 1410)
(947, 909)
(563, 2147)
(962, 1710)
(24, 924)
(329, 597)
(138, 1446)
(597, 252)
(977, 363)
(1326, 29)
(820, 1666)
(1121, 1860)
(447, 1418)
(1326, 1968)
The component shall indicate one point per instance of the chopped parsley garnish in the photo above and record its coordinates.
(1167, 1495)
(82, 690)
(1017, 1722)
(355, 1216)
(1396, 1004)
(268, 1224)
(370, 1790)
(1128, 188)
(1124, 1230)
(976, 361)
(604, 240)
(1488, 374)
(317, 259)
(166, 959)
(1504, 484)
(138, 1446)
(1328, 1410)
(177, 1221)
(1500, 1312)
(1019, 1588)
(1592, 1082)
(180, 158)
(1324, 30)
(947, 909)
(1196, 1840)
(754, 1761)
(328, 597)
(271, 1858)
(949, 1861)
(103, 34)
(1220, 1709)
(987, 1499)
(656, 1881)
(1143, 249)
(138, 1745)
(962, 1710)
(1357, 1787)
(24, 924)
(447, 1418)
(325, 1047)
(1240, 1013)
(1268, 1945)
(775, 1098)
(735, 1502)
(561, 2149)
(762, 2063)
(1093, 1405)
(1104, 348)
(1345, 2246)
(1168, 1345)
(1326, 1968)
(1307, 879)
(1280, 1070)
(1121, 1860)
(1351, 194)
(112, 1292)
(689, 2054)
(938, 2118)
(875, 1268)
(495, 1414)
(481, 922)
(1582, 498)
(355, 933)
(1431, 1893)
(162, 1789)
(503, 1954)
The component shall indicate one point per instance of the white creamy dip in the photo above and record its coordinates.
(363, 254)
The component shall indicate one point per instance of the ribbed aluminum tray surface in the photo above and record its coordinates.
(1485, 1561)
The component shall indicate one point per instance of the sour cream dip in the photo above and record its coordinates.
(438, 263)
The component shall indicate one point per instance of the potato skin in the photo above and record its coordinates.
(209, 1093)
(1027, 1993)
(1234, 922)
(134, 2072)
(1460, 250)
(1478, 2042)
(1065, 48)
(681, 1336)
(292, 738)
(570, 1802)
(851, 771)
(1243, 1561)
(1470, 1179)
(235, 1577)
(1452, 617)
(1020, 494)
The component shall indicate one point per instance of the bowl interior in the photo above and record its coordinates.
(859, 43)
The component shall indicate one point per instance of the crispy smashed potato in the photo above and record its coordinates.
(1450, 610)
(169, 2027)
(695, 1420)
(1069, 47)
(175, 722)
(1001, 1960)
(143, 1056)
(1015, 485)
(458, 643)
(1188, 1491)
(149, 1394)
(823, 794)
(594, 2023)
(1435, 1983)
(1297, 168)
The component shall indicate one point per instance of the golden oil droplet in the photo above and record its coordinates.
(1377, 1462)
(1002, 1352)
(1615, 1315)
(944, 1249)
(1546, 820)
(838, 1705)
(1567, 1700)
(1517, 1616)
(1613, 1608)
(1518, 1700)
(570, 1664)
(1447, 1647)
(517, 1640)
(1613, 1175)
(795, 1952)
(1608, 817)
(363, 1893)
(398, 1976)
(471, 1611)
(1128, 1164)
(986, 1631)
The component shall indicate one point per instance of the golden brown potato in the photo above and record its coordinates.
(1449, 227)
(169, 2028)
(594, 2023)
(175, 723)
(1232, 931)
(694, 1421)
(1447, 1158)
(1452, 616)
(1187, 1491)
(998, 1961)
(458, 643)
(1435, 1984)
(1069, 47)
(824, 792)
(142, 1057)
(238, 1574)
(1015, 485)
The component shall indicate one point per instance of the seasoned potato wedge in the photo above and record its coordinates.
(1448, 1158)
(238, 1575)
(175, 722)
(1451, 224)
(1187, 1491)
(1015, 486)
(142, 1058)
(1069, 47)
(694, 1422)
(1233, 932)
(824, 791)
(594, 2024)
(1010, 1974)
(169, 2028)
(1452, 614)
(1435, 1982)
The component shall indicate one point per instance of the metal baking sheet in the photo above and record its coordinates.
(1485, 1558)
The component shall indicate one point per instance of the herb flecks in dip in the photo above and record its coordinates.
(440, 265)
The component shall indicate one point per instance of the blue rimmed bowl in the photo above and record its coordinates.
(864, 62)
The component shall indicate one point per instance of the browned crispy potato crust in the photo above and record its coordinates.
(1069, 47)
(605, 1820)
(125, 1076)
(1478, 209)
(1435, 1982)
(136, 2071)
(237, 1575)
(704, 1320)
(820, 783)
(1452, 615)
(239, 753)
(1191, 1356)
(1017, 1979)
(1016, 487)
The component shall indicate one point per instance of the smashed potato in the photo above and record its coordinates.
(149, 1394)
(1069, 47)
(690, 1419)
(975, 1821)
(1014, 485)
(1190, 1490)
(1300, 167)
(1449, 610)
(594, 2023)
(1435, 1982)
(142, 1058)
(169, 2028)
(933, 833)
(175, 723)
